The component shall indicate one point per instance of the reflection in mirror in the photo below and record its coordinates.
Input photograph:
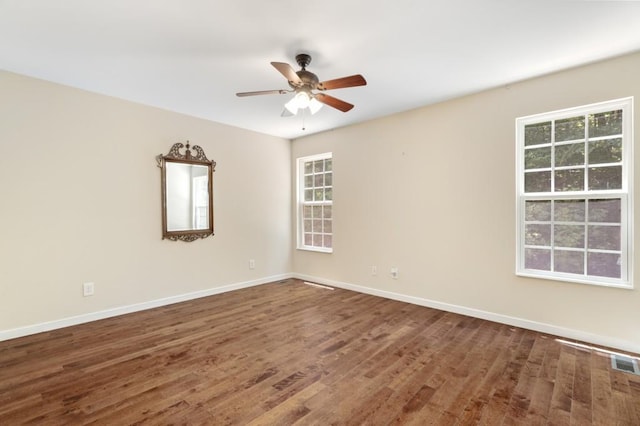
(187, 198)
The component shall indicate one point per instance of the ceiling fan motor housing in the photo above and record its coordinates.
(309, 80)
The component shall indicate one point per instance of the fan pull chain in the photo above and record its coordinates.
(302, 114)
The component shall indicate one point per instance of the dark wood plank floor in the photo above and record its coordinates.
(287, 353)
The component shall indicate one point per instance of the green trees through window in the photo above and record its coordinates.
(315, 203)
(573, 187)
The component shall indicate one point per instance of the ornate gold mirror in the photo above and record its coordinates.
(187, 193)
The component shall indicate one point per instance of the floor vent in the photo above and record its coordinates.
(625, 363)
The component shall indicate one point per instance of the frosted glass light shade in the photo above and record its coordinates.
(302, 100)
(291, 106)
(314, 105)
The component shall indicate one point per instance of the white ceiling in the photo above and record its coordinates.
(192, 56)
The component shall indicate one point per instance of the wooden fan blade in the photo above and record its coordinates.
(288, 72)
(339, 83)
(333, 102)
(262, 92)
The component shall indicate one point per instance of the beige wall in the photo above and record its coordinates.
(80, 202)
(432, 192)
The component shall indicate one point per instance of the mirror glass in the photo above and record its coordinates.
(187, 187)
(187, 193)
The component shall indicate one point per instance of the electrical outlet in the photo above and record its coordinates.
(252, 264)
(374, 270)
(88, 289)
(394, 273)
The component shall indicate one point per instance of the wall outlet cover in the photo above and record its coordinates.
(88, 289)
(394, 273)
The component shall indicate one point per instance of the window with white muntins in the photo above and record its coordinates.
(575, 210)
(315, 203)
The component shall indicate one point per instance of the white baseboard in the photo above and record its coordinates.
(476, 313)
(94, 316)
(607, 341)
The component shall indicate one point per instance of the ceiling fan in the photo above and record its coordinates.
(304, 82)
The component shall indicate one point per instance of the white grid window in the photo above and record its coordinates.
(315, 203)
(574, 207)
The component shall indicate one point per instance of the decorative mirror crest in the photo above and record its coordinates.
(187, 193)
(174, 153)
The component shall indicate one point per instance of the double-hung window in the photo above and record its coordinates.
(574, 211)
(315, 203)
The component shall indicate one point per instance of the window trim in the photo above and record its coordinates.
(300, 203)
(625, 194)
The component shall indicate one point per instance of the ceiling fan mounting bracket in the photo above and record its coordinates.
(303, 60)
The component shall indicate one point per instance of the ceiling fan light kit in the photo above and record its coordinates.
(304, 82)
(303, 100)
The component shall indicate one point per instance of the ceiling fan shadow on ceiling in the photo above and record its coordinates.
(303, 83)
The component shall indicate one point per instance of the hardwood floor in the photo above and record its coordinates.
(287, 353)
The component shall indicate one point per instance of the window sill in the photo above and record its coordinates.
(567, 279)
(316, 249)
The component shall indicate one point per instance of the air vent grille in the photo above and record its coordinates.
(624, 363)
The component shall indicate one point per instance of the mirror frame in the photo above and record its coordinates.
(196, 158)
